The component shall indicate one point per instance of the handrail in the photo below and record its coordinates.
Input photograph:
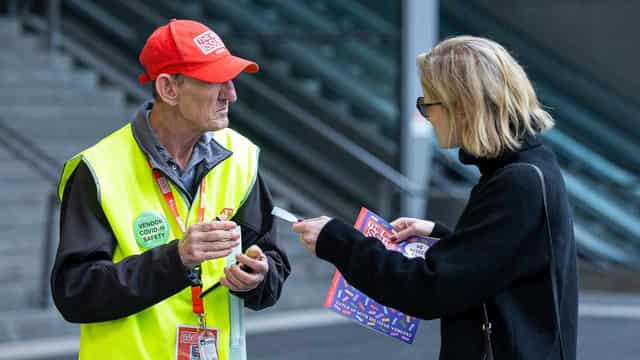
(14, 141)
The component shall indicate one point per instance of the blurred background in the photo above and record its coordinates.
(333, 110)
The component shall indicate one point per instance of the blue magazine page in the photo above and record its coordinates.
(348, 301)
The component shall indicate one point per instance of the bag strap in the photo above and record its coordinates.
(552, 266)
(486, 329)
(486, 326)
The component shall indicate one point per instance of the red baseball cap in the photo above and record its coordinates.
(190, 48)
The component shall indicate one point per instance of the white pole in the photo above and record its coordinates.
(419, 34)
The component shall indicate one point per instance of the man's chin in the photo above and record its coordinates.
(219, 123)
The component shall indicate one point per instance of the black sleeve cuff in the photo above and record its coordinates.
(440, 230)
(186, 274)
(254, 297)
(333, 243)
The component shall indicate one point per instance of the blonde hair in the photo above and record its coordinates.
(484, 92)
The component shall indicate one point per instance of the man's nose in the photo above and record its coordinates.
(228, 92)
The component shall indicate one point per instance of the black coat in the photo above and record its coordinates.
(498, 254)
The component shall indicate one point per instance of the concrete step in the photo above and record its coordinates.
(9, 26)
(34, 324)
(24, 44)
(59, 97)
(17, 60)
(47, 78)
(62, 151)
(54, 122)
(67, 133)
(18, 240)
(26, 191)
(21, 268)
(19, 296)
(17, 169)
(24, 214)
(64, 111)
(30, 182)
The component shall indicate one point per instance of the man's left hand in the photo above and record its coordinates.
(238, 280)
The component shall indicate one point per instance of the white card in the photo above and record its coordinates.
(284, 214)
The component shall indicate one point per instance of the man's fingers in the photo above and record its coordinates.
(214, 225)
(239, 278)
(254, 252)
(215, 254)
(225, 282)
(222, 225)
(218, 245)
(259, 265)
(218, 235)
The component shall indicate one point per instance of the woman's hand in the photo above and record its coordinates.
(309, 230)
(408, 227)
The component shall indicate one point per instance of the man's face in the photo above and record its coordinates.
(205, 106)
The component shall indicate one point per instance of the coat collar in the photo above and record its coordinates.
(489, 165)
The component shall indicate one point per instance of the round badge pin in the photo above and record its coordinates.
(151, 229)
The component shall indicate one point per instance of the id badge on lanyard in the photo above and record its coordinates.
(192, 343)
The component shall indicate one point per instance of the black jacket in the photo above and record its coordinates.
(88, 287)
(498, 254)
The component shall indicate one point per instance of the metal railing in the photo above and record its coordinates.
(47, 168)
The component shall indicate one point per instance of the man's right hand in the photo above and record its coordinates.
(205, 241)
(408, 227)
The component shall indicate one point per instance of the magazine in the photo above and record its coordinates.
(348, 301)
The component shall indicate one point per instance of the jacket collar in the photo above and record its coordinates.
(489, 165)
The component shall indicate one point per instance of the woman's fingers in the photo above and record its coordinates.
(403, 235)
(402, 223)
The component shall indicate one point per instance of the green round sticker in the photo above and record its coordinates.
(151, 229)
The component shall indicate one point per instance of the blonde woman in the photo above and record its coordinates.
(509, 266)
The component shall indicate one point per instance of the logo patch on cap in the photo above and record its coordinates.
(208, 42)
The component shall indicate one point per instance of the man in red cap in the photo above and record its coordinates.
(165, 206)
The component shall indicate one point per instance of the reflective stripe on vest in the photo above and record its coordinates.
(127, 190)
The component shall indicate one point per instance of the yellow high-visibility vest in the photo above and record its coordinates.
(140, 218)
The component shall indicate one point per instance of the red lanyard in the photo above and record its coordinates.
(167, 194)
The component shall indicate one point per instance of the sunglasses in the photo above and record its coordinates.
(423, 107)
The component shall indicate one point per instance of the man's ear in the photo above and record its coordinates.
(167, 89)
